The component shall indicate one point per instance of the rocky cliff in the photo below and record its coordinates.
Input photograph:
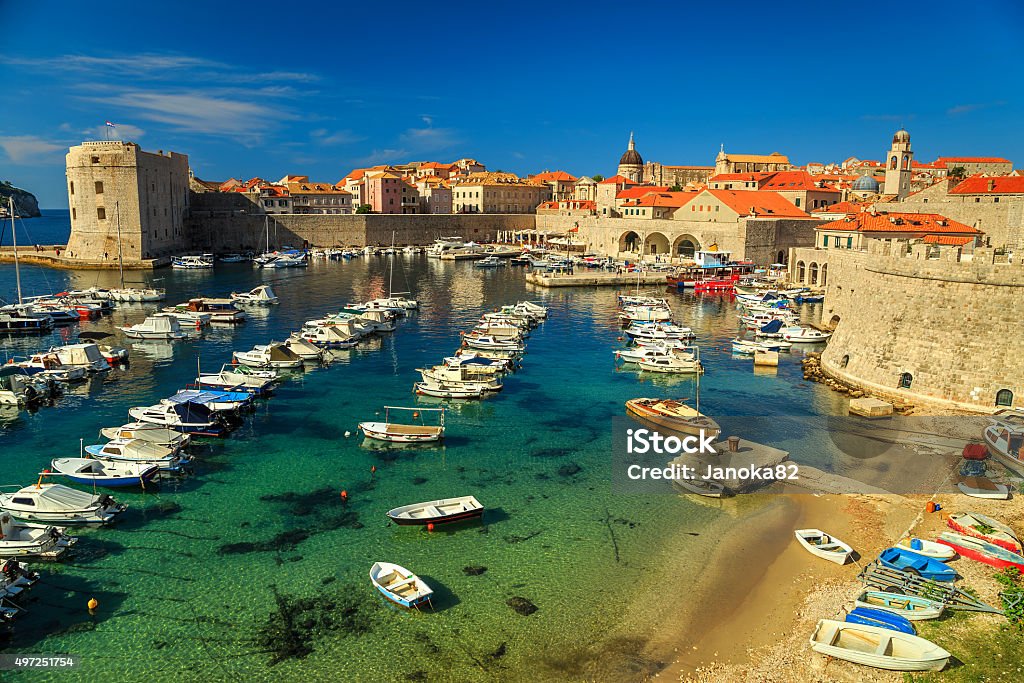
(25, 203)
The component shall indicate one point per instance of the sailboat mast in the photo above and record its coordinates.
(120, 257)
(697, 355)
(14, 237)
(391, 263)
(266, 224)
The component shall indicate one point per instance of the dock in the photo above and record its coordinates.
(594, 279)
(48, 256)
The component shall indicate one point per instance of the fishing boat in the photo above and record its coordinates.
(983, 487)
(48, 364)
(491, 342)
(489, 262)
(804, 335)
(104, 473)
(83, 355)
(870, 616)
(910, 562)
(460, 375)
(258, 296)
(217, 400)
(986, 528)
(635, 354)
(47, 502)
(982, 551)
(404, 433)
(749, 347)
(645, 314)
(910, 607)
(32, 541)
(437, 512)
(817, 542)
(674, 415)
(189, 418)
(239, 378)
(927, 548)
(155, 327)
(878, 647)
(191, 262)
(135, 450)
(303, 349)
(149, 433)
(328, 337)
(272, 355)
(671, 364)
(218, 310)
(15, 323)
(455, 391)
(1005, 441)
(399, 585)
(286, 260)
(660, 331)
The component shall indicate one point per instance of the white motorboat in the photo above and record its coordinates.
(804, 335)
(149, 433)
(461, 375)
(155, 327)
(192, 262)
(135, 295)
(1005, 441)
(272, 355)
(258, 296)
(190, 418)
(646, 314)
(667, 343)
(219, 310)
(31, 541)
(302, 348)
(635, 354)
(60, 504)
(286, 261)
(88, 356)
(750, 346)
(103, 472)
(239, 378)
(442, 390)
(817, 542)
(137, 451)
(49, 364)
(491, 342)
(671, 364)
(658, 331)
(489, 262)
(187, 317)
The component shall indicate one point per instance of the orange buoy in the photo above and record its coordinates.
(930, 507)
(373, 469)
(93, 604)
(430, 526)
(416, 414)
(344, 496)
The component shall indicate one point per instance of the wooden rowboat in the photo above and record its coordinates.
(982, 551)
(673, 415)
(911, 607)
(442, 511)
(927, 548)
(817, 542)
(404, 433)
(399, 585)
(984, 527)
(877, 647)
(983, 487)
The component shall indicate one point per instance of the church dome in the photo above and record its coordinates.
(631, 158)
(865, 184)
(901, 136)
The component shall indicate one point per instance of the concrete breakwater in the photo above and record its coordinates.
(594, 279)
(49, 256)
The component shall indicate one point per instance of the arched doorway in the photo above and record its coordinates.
(801, 272)
(781, 258)
(629, 241)
(656, 244)
(814, 273)
(685, 246)
(824, 274)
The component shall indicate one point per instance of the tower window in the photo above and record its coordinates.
(101, 213)
(906, 379)
(95, 160)
(99, 187)
(72, 186)
(1004, 398)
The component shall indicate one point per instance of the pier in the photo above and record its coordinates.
(595, 279)
(48, 256)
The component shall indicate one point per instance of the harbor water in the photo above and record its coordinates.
(255, 568)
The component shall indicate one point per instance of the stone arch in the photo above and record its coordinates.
(656, 243)
(801, 272)
(833, 323)
(894, 162)
(906, 162)
(1004, 398)
(814, 273)
(685, 246)
(781, 257)
(629, 241)
(823, 278)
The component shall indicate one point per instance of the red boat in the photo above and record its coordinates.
(713, 272)
(987, 529)
(981, 551)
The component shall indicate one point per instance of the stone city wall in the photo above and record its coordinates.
(942, 322)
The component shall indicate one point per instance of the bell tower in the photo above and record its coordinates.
(898, 165)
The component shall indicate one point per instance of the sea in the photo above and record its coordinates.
(254, 567)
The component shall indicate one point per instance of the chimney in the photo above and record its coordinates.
(991, 184)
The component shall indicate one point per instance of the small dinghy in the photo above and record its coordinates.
(985, 528)
(437, 512)
(879, 647)
(708, 488)
(104, 473)
(404, 433)
(441, 390)
(983, 487)
(918, 565)
(60, 504)
(674, 415)
(804, 335)
(137, 451)
(910, 607)
(982, 551)
(877, 617)
(927, 548)
(817, 542)
(399, 585)
(35, 541)
(151, 433)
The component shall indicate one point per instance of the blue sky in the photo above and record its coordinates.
(259, 89)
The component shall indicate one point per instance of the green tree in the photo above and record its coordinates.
(958, 172)
(676, 188)
(364, 208)
(597, 178)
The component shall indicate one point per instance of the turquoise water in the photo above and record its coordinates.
(177, 602)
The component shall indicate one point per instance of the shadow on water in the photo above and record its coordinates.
(59, 605)
(443, 599)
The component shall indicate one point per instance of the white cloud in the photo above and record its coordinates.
(968, 108)
(323, 136)
(28, 149)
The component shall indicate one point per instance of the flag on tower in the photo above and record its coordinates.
(111, 125)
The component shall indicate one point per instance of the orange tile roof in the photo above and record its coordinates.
(763, 203)
(843, 207)
(913, 223)
(314, 188)
(974, 160)
(951, 240)
(547, 176)
(979, 184)
(669, 199)
(639, 191)
(618, 180)
(793, 181)
(722, 177)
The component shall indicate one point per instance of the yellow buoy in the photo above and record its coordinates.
(93, 603)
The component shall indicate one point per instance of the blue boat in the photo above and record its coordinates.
(188, 418)
(878, 617)
(104, 473)
(215, 399)
(919, 565)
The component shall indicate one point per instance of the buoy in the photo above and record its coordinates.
(93, 604)
(620, 338)
(430, 526)
(373, 469)
(930, 507)
(348, 434)
(234, 361)
(416, 414)
(344, 496)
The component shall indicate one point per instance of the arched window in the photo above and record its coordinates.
(893, 162)
(824, 274)
(800, 271)
(781, 258)
(906, 162)
(1004, 398)
(906, 379)
(844, 361)
(814, 273)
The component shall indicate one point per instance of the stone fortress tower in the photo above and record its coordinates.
(631, 165)
(898, 163)
(112, 182)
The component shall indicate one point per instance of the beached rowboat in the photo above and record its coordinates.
(877, 647)
(909, 606)
(985, 528)
(817, 542)
(982, 551)
(927, 548)
(983, 487)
